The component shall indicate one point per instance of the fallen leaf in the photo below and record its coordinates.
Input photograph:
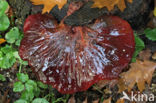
(152, 19)
(9, 12)
(145, 54)
(2, 41)
(107, 100)
(49, 4)
(154, 12)
(3, 98)
(154, 56)
(96, 101)
(110, 4)
(121, 5)
(120, 101)
(103, 83)
(130, 1)
(105, 3)
(85, 101)
(140, 73)
(72, 100)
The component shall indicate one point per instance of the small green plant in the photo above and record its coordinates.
(29, 89)
(150, 34)
(40, 100)
(4, 20)
(8, 53)
(2, 78)
(139, 46)
(34, 91)
(7, 58)
(139, 43)
(14, 36)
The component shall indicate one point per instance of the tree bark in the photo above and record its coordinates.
(136, 13)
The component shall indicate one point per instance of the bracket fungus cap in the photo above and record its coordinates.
(72, 58)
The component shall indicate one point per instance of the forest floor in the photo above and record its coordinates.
(16, 78)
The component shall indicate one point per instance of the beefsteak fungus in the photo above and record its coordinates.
(72, 58)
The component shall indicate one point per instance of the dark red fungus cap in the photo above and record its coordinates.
(71, 58)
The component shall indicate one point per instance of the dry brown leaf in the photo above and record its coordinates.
(9, 13)
(108, 100)
(3, 98)
(120, 101)
(110, 4)
(85, 101)
(2, 41)
(49, 4)
(140, 73)
(154, 56)
(72, 100)
(105, 3)
(96, 101)
(103, 83)
(121, 5)
(145, 54)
